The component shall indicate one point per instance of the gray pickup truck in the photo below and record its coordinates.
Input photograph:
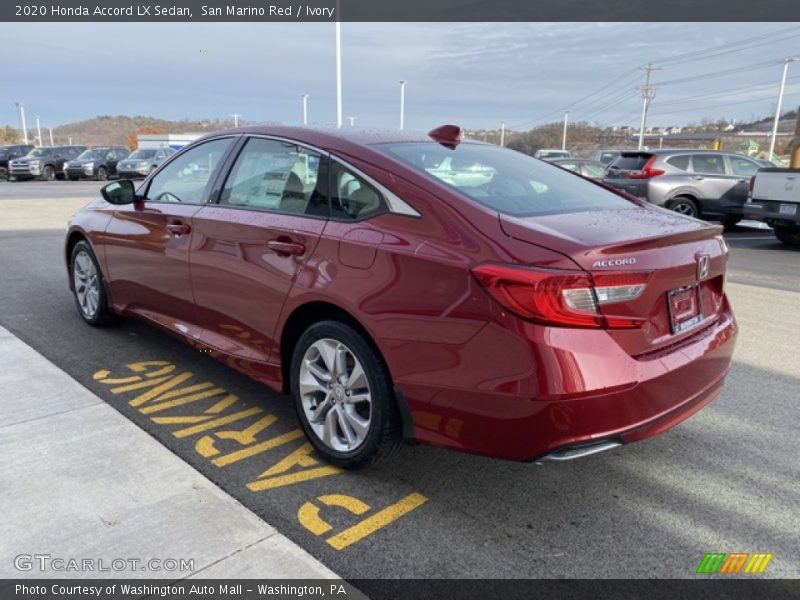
(775, 199)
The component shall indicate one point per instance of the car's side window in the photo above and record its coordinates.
(352, 197)
(187, 178)
(276, 176)
(709, 164)
(742, 166)
(680, 161)
(593, 170)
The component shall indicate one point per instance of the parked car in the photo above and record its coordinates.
(550, 154)
(96, 163)
(775, 199)
(606, 155)
(582, 166)
(44, 163)
(8, 153)
(142, 161)
(697, 183)
(533, 315)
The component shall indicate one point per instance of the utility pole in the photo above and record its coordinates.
(338, 67)
(648, 93)
(502, 134)
(51, 136)
(305, 109)
(39, 131)
(21, 107)
(778, 107)
(402, 103)
(236, 119)
(564, 135)
(352, 121)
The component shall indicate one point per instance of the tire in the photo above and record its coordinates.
(684, 206)
(3, 173)
(48, 173)
(102, 174)
(788, 235)
(363, 444)
(84, 271)
(729, 223)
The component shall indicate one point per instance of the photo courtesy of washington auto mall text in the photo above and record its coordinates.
(399, 300)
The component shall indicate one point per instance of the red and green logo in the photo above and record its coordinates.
(734, 563)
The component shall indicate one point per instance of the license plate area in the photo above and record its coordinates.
(685, 310)
(787, 209)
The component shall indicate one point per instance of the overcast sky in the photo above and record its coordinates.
(474, 75)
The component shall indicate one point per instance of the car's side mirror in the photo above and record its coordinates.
(119, 192)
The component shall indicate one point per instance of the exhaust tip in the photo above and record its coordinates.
(573, 452)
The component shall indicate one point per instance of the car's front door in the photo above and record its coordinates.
(147, 244)
(251, 246)
(742, 169)
(714, 183)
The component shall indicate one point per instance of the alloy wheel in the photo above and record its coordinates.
(87, 284)
(684, 208)
(335, 395)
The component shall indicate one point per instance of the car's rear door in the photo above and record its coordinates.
(147, 244)
(742, 169)
(251, 246)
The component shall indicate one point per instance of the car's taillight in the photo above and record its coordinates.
(562, 298)
(647, 171)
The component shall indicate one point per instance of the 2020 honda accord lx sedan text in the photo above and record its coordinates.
(419, 286)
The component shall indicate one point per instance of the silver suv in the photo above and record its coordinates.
(698, 183)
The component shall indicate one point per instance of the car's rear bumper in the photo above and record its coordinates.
(583, 390)
(769, 211)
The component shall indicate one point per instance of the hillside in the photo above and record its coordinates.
(116, 129)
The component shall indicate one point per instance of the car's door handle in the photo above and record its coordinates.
(698, 178)
(285, 247)
(178, 228)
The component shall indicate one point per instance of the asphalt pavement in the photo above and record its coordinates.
(723, 481)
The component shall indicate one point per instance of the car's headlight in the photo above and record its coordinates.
(88, 166)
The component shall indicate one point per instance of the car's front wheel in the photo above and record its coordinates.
(102, 174)
(48, 173)
(88, 287)
(343, 396)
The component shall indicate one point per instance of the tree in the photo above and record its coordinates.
(133, 140)
(9, 135)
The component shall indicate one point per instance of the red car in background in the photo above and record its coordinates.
(419, 286)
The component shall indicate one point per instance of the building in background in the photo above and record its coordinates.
(176, 141)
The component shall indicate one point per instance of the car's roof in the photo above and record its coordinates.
(668, 151)
(580, 160)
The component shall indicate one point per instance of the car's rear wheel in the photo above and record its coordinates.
(788, 235)
(343, 396)
(48, 173)
(3, 173)
(102, 174)
(89, 287)
(684, 206)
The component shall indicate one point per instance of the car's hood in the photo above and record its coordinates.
(594, 235)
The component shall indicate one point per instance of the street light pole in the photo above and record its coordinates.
(402, 103)
(236, 119)
(503, 133)
(39, 130)
(21, 107)
(338, 69)
(778, 107)
(305, 109)
(352, 121)
(648, 93)
(51, 136)
(564, 135)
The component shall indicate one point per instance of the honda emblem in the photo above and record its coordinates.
(703, 263)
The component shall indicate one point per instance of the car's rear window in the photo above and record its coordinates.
(630, 162)
(504, 180)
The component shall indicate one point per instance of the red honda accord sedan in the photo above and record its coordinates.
(418, 286)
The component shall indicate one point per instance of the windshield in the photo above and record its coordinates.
(143, 154)
(39, 152)
(554, 154)
(94, 154)
(504, 180)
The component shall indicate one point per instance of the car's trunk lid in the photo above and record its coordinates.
(639, 238)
